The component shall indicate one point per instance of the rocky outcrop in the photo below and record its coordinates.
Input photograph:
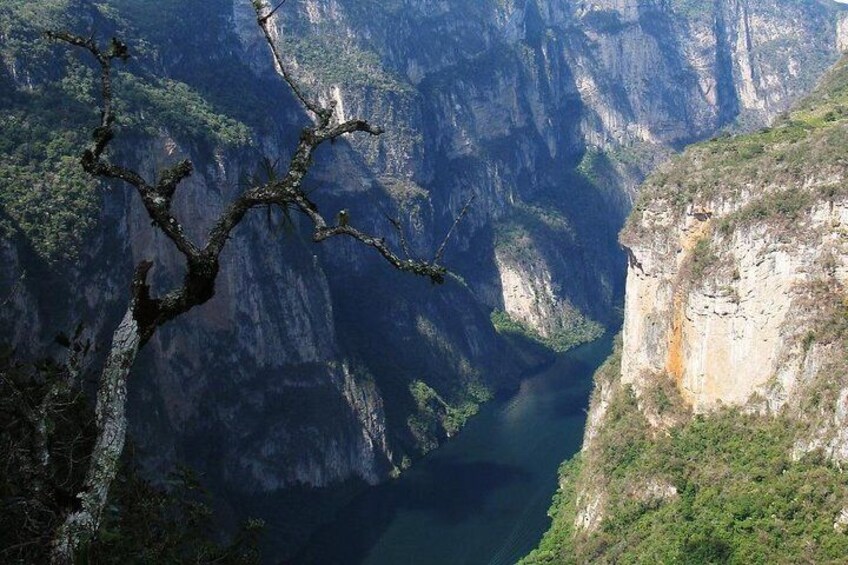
(730, 377)
(728, 337)
(724, 256)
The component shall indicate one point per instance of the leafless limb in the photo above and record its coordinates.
(14, 290)
(437, 258)
(401, 235)
(145, 313)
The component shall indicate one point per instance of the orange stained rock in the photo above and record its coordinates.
(674, 363)
(674, 358)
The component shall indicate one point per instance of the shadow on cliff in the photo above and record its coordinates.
(450, 491)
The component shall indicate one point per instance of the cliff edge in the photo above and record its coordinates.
(719, 428)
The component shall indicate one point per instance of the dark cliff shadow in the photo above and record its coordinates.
(450, 491)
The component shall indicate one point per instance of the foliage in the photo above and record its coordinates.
(575, 330)
(785, 205)
(333, 61)
(43, 190)
(702, 257)
(692, 9)
(45, 117)
(176, 107)
(434, 412)
(732, 493)
(46, 433)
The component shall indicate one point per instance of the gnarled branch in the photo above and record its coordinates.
(146, 313)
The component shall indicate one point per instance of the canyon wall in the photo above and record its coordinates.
(307, 367)
(729, 385)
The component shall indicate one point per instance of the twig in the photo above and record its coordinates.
(15, 289)
(323, 114)
(441, 251)
(271, 13)
(399, 229)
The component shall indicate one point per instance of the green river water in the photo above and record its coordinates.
(483, 497)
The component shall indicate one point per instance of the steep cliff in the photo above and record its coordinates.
(555, 112)
(316, 364)
(718, 431)
(738, 256)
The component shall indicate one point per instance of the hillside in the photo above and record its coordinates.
(717, 431)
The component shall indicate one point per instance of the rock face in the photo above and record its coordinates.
(301, 370)
(730, 382)
(731, 244)
(736, 287)
(606, 88)
(727, 338)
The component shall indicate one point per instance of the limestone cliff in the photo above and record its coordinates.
(734, 249)
(729, 386)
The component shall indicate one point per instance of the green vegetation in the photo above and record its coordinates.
(702, 258)
(576, 329)
(44, 192)
(769, 169)
(726, 487)
(44, 126)
(693, 9)
(333, 61)
(738, 496)
(785, 206)
(153, 106)
(434, 413)
(594, 161)
(504, 323)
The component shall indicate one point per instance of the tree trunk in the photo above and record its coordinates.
(80, 524)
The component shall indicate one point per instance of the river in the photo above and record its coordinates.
(483, 497)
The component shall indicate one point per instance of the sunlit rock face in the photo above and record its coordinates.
(736, 296)
(737, 273)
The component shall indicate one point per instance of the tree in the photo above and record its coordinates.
(145, 313)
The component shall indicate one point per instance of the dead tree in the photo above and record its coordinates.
(145, 312)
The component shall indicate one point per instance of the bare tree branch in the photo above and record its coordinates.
(434, 272)
(437, 258)
(401, 236)
(263, 15)
(146, 313)
(277, 7)
(156, 200)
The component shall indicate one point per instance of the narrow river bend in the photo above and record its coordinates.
(483, 497)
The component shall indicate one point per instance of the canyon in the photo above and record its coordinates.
(316, 365)
(732, 357)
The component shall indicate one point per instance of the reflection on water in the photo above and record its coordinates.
(482, 497)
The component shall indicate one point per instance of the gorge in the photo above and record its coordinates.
(316, 368)
(717, 430)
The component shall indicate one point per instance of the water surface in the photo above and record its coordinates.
(482, 498)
